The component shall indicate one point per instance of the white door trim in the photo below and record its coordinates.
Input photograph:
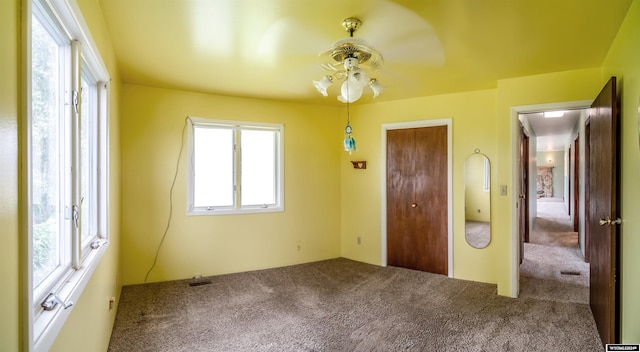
(383, 184)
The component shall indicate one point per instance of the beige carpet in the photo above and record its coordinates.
(553, 266)
(343, 305)
(478, 233)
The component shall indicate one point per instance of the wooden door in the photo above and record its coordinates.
(604, 193)
(417, 199)
(576, 184)
(401, 241)
(523, 195)
(569, 182)
(587, 189)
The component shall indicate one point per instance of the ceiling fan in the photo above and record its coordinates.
(386, 42)
(345, 58)
(407, 38)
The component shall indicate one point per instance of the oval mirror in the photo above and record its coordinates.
(477, 200)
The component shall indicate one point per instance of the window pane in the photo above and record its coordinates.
(213, 167)
(46, 159)
(87, 158)
(258, 167)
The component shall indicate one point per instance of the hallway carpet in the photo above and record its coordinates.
(553, 266)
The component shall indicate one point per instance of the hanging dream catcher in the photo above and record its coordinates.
(349, 141)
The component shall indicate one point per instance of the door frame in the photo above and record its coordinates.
(383, 184)
(575, 181)
(515, 181)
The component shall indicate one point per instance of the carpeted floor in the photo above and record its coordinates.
(343, 305)
(553, 266)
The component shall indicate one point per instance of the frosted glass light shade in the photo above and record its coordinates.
(376, 87)
(323, 84)
(350, 92)
(358, 78)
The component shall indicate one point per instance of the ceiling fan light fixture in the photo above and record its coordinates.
(322, 85)
(344, 59)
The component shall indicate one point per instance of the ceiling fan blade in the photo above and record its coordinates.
(401, 35)
(288, 37)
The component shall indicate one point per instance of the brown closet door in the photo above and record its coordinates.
(417, 214)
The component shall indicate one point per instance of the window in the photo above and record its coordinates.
(234, 167)
(487, 175)
(65, 139)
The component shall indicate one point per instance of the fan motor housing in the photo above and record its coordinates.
(346, 50)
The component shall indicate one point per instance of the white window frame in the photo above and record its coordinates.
(41, 327)
(236, 208)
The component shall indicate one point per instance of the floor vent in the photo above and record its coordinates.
(570, 273)
(200, 283)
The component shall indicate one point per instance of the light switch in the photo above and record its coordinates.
(503, 190)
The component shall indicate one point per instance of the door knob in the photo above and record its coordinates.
(413, 205)
(608, 221)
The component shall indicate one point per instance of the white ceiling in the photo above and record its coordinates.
(552, 134)
(268, 49)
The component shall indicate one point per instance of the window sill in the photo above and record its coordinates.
(229, 211)
(47, 324)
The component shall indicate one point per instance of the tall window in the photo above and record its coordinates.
(66, 166)
(234, 167)
(50, 52)
(487, 176)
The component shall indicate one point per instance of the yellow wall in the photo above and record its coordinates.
(9, 235)
(623, 61)
(473, 126)
(481, 119)
(477, 204)
(308, 229)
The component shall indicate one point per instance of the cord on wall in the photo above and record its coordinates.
(173, 183)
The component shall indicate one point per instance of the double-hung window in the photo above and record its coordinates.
(234, 167)
(65, 144)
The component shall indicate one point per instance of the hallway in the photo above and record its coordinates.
(554, 268)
